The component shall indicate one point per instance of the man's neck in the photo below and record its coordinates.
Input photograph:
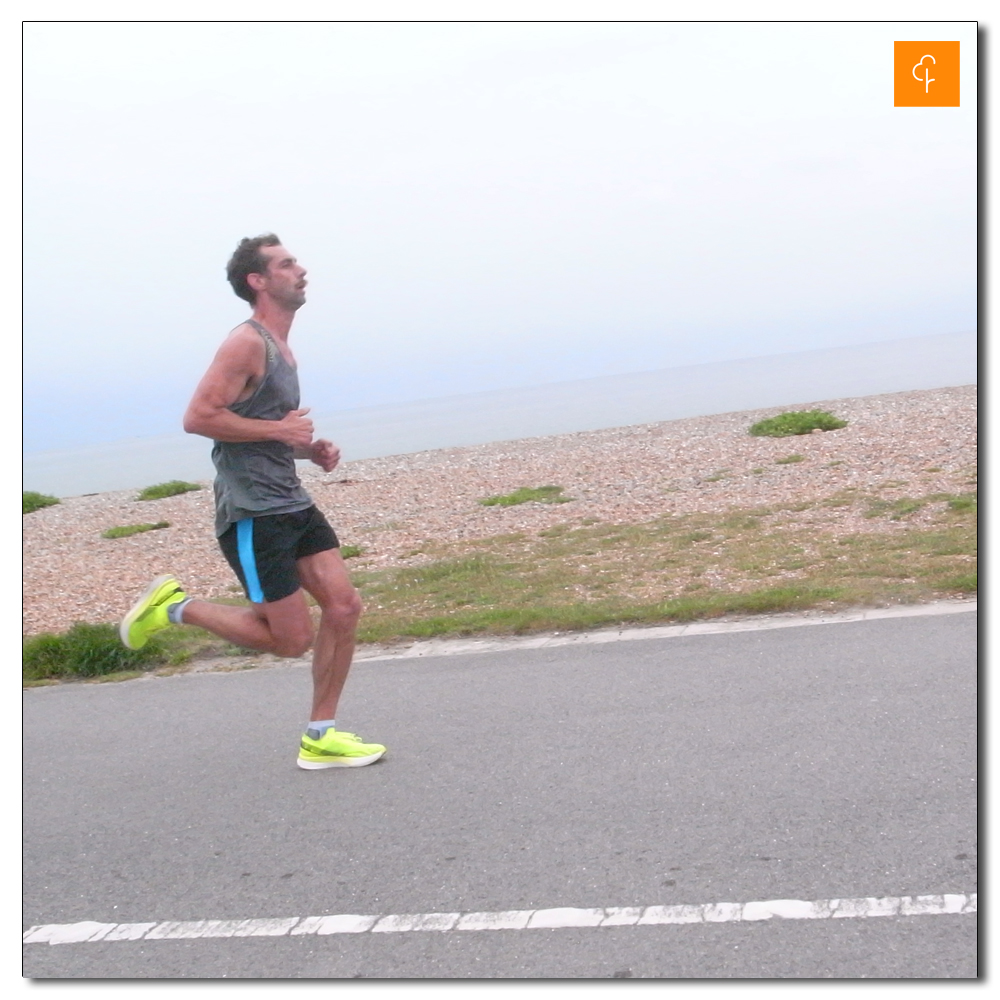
(277, 320)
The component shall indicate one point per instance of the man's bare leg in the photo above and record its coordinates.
(280, 627)
(324, 575)
(285, 628)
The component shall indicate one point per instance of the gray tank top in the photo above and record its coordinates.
(259, 477)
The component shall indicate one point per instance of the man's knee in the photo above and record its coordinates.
(343, 608)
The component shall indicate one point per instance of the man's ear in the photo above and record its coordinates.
(256, 281)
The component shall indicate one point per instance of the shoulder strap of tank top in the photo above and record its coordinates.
(269, 345)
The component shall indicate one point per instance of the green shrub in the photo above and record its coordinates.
(32, 501)
(351, 551)
(539, 494)
(133, 529)
(789, 460)
(170, 489)
(84, 651)
(797, 422)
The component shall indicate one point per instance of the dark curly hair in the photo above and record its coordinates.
(248, 259)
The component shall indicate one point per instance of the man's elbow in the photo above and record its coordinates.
(194, 423)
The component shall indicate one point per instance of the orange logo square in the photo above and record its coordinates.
(926, 75)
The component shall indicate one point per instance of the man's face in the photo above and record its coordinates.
(285, 278)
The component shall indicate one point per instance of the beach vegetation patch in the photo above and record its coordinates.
(351, 551)
(695, 536)
(171, 489)
(796, 422)
(124, 530)
(526, 494)
(966, 502)
(32, 501)
(789, 460)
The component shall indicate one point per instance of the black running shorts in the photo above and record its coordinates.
(263, 551)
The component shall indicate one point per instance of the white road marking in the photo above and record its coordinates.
(461, 647)
(557, 917)
(343, 923)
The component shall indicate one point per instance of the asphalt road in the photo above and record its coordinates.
(811, 763)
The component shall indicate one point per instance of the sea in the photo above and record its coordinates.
(779, 380)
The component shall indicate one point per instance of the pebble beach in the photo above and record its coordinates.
(900, 444)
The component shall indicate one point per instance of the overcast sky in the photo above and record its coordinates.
(479, 206)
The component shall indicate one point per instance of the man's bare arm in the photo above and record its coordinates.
(321, 452)
(238, 367)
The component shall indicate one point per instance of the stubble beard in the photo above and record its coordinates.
(294, 300)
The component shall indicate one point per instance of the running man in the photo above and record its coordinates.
(276, 540)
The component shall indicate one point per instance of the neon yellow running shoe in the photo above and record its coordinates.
(337, 749)
(149, 613)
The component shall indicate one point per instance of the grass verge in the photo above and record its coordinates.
(94, 652)
(579, 575)
(676, 568)
(86, 650)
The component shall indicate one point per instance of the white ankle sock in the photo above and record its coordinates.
(175, 611)
(316, 730)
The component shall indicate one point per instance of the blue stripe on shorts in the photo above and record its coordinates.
(248, 561)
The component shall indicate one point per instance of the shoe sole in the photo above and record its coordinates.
(137, 609)
(319, 765)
